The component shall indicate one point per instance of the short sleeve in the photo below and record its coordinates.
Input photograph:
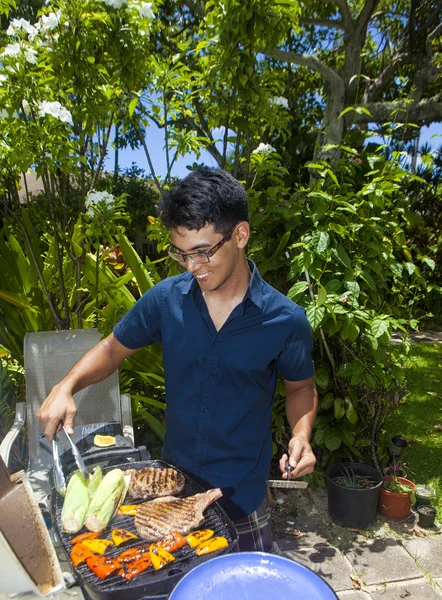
(141, 326)
(295, 361)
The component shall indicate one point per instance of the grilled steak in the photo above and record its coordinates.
(153, 482)
(159, 517)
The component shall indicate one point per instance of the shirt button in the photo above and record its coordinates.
(212, 375)
(204, 440)
(205, 409)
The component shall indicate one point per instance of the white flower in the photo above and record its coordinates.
(114, 3)
(279, 101)
(94, 198)
(3, 78)
(17, 24)
(4, 114)
(15, 49)
(145, 10)
(31, 55)
(11, 50)
(264, 149)
(50, 21)
(56, 110)
(26, 107)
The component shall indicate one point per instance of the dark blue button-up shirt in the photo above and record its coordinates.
(220, 385)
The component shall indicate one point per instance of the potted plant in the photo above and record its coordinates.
(427, 515)
(425, 495)
(396, 495)
(353, 492)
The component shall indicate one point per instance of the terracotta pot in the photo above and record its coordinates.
(394, 505)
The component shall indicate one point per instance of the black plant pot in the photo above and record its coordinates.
(352, 507)
(427, 515)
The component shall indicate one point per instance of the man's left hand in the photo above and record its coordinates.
(300, 457)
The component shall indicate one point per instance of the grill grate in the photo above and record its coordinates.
(150, 584)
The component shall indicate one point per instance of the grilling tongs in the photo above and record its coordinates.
(59, 478)
(287, 483)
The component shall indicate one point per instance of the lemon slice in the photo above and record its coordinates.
(103, 441)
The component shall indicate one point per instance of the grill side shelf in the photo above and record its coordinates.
(151, 583)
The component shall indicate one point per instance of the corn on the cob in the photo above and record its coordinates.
(76, 503)
(94, 480)
(106, 500)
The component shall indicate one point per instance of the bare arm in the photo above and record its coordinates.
(301, 408)
(97, 364)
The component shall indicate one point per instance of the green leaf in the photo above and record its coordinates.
(132, 105)
(315, 314)
(379, 327)
(16, 299)
(348, 437)
(343, 256)
(333, 438)
(297, 290)
(327, 401)
(322, 377)
(142, 276)
(322, 242)
(430, 262)
(338, 408)
(350, 412)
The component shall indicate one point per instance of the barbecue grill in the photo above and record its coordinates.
(150, 584)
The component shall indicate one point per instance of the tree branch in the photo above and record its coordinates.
(366, 14)
(306, 60)
(420, 113)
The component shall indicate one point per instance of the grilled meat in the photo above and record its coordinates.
(153, 482)
(157, 518)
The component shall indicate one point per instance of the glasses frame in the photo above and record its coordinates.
(208, 253)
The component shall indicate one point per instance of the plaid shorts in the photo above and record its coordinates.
(254, 530)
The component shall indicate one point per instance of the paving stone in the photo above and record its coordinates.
(381, 561)
(327, 562)
(312, 530)
(410, 590)
(319, 499)
(354, 595)
(427, 551)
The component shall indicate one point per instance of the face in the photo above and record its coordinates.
(224, 266)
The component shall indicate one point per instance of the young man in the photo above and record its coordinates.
(225, 335)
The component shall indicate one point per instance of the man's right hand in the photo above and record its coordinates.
(58, 408)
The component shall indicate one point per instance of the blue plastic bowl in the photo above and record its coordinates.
(251, 576)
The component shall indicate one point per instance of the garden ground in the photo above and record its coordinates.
(388, 561)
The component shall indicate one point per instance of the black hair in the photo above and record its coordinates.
(205, 197)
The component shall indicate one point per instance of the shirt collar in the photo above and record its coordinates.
(254, 291)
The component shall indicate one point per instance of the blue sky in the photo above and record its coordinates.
(155, 144)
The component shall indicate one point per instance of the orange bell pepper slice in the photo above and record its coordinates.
(132, 554)
(172, 542)
(79, 554)
(97, 546)
(89, 535)
(102, 566)
(195, 538)
(119, 536)
(211, 545)
(159, 557)
(128, 509)
(135, 567)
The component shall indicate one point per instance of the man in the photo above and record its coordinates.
(225, 335)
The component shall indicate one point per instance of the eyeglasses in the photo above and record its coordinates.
(199, 257)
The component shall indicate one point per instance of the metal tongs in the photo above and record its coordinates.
(59, 478)
(287, 483)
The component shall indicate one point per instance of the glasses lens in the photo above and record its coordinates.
(176, 256)
(199, 258)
